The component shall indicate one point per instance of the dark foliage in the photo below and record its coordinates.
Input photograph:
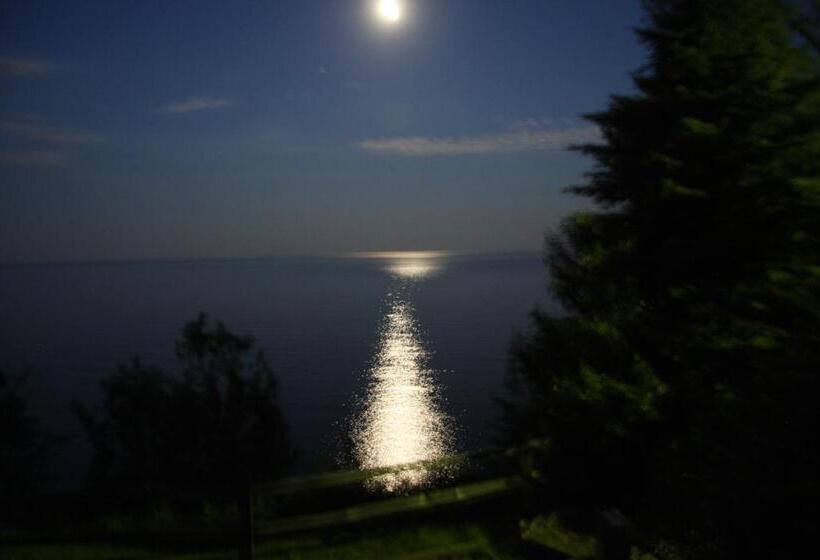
(213, 425)
(24, 443)
(681, 382)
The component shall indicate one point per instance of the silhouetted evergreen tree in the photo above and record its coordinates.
(807, 25)
(681, 382)
(199, 432)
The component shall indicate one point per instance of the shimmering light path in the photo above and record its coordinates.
(401, 422)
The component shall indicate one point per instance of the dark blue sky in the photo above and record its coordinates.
(162, 129)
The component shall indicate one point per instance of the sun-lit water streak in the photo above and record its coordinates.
(401, 422)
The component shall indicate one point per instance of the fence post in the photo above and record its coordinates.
(245, 503)
(614, 542)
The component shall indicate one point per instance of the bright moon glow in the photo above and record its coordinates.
(389, 10)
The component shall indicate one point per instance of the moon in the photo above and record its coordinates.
(389, 11)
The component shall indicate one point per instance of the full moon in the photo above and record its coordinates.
(389, 10)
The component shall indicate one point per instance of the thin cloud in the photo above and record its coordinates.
(13, 66)
(520, 139)
(48, 133)
(195, 104)
(32, 158)
(542, 123)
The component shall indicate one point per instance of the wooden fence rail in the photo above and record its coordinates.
(256, 525)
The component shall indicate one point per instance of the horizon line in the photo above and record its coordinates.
(362, 255)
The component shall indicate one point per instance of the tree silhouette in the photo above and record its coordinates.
(24, 443)
(680, 383)
(202, 431)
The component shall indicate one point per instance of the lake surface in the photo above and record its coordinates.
(399, 355)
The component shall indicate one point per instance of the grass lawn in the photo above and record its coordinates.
(408, 542)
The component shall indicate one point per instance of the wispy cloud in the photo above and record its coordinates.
(531, 136)
(195, 104)
(14, 66)
(48, 133)
(32, 158)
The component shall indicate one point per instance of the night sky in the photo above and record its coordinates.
(182, 129)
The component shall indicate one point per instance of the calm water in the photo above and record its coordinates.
(400, 354)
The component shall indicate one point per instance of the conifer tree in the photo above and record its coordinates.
(680, 382)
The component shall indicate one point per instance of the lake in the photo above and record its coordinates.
(401, 354)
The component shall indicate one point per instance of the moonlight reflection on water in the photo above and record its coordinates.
(401, 421)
